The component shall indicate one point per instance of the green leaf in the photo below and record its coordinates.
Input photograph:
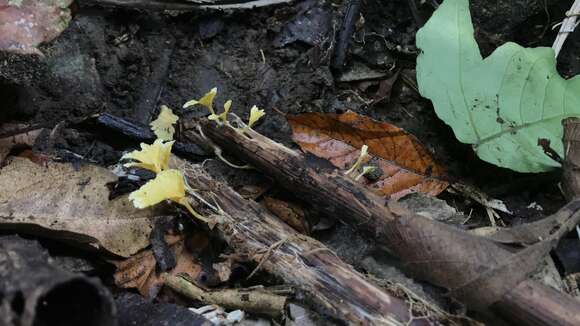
(503, 104)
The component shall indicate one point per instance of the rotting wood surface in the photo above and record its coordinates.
(332, 286)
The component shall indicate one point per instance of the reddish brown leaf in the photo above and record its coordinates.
(406, 165)
(139, 271)
(26, 23)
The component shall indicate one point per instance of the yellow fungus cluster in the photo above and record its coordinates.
(169, 184)
(206, 100)
(222, 118)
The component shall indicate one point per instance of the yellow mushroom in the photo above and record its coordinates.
(206, 100)
(222, 117)
(163, 125)
(154, 157)
(255, 115)
(167, 185)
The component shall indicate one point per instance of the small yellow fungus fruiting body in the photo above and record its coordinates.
(255, 115)
(206, 100)
(227, 105)
(167, 185)
(163, 125)
(363, 155)
(154, 157)
(222, 117)
(368, 169)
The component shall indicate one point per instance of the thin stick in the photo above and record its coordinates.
(252, 300)
(350, 17)
(568, 25)
(267, 255)
(415, 11)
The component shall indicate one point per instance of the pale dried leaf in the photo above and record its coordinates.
(58, 201)
(224, 270)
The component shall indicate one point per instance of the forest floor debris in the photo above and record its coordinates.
(324, 107)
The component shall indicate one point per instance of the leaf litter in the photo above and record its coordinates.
(140, 271)
(73, 205)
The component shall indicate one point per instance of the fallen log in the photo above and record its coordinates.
(478, 271)
(330, 285)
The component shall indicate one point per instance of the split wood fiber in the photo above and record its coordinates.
(331, 286)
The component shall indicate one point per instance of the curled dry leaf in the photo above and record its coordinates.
(139, 271)
(24, 24)
(406, 165)
(27, 138)
(59, 201)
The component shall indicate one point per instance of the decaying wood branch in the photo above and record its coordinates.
(332, 286)
(477, 270)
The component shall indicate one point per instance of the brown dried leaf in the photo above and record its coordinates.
(24, 138)
(139, 271)
(288, 212)
(252, 192)
(58, 201)
(406, 165)
(24, 24)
